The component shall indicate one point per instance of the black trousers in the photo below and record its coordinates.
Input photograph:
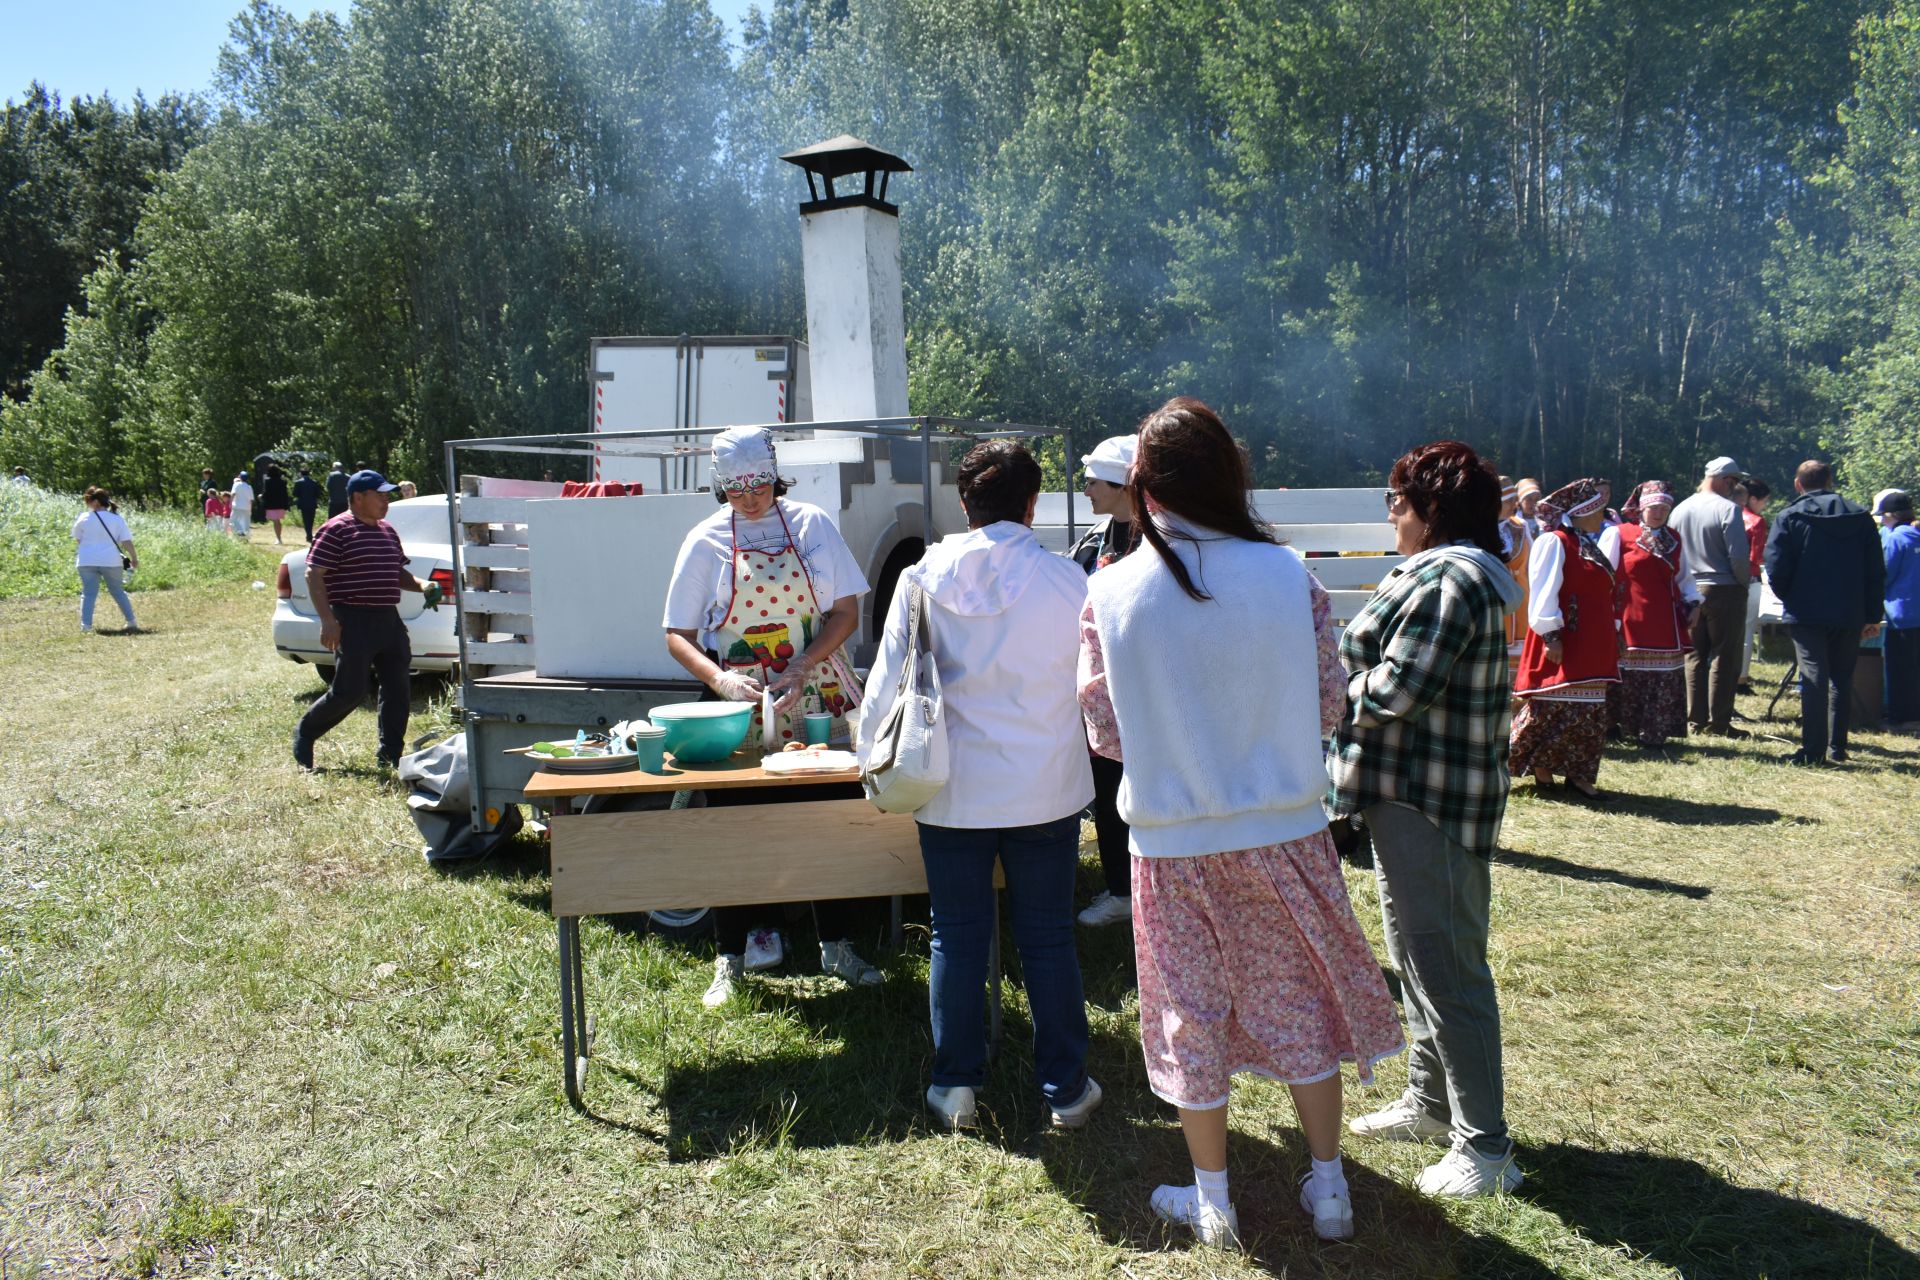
(1902, 659)
(1827, 656)
(1116, 864)
(373, 640)
(306, 519)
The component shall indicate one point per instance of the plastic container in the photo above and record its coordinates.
(703, 732)
(819, 728)
(650, 747)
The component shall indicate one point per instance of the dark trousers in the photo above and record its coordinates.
(1713, 662)
(1901, 658)
(334, 508)
(373, 641)
(1039, 862)
(306, 519)
(1116, 864)
(1827, 656)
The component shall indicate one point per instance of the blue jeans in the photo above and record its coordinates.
(1040, 863)
(91, 576)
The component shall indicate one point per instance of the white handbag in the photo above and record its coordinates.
(907, 765)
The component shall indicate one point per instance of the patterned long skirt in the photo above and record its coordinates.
(1552, 735)
(1649, 706)
(1252, 961)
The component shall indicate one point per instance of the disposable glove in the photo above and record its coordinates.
(434, 595)
(735, 687)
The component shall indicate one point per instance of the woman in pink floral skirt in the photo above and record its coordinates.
(1208, 663)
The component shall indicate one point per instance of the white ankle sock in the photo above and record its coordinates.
(1329, 1178)
(1210, 1187)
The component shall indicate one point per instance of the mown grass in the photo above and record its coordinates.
(176, 549)
(245, 1030)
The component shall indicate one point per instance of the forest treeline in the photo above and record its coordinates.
(1611, 238)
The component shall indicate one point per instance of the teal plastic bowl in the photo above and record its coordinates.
(703, 732)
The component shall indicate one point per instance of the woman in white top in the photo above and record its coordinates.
(1209, 664)
(1001, 616)
(101, 539)
(764, 593)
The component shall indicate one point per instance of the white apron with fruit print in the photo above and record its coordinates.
(771, 619)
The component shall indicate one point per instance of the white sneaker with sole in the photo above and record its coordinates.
(1464, 1173)
(1403, 1121)
(1106, 909)
(727, 972)
(1211, 1224)
(843, 962)
(953, 1104)
(1332, 1215)
(1077, 1115)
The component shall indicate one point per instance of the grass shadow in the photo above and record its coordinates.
(1681, 812)
(1547, 865)
(1110, 1169)
(1684, 1216)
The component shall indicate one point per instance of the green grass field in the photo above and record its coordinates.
(244, 1030)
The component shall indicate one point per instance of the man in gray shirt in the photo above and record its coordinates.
(1714, 538)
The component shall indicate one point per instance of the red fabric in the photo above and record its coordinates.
(1756, 540)
(601, 489)
(1590, 649)
(1653, 615)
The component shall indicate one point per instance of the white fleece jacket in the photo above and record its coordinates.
(1005, 633)
(1217, 701)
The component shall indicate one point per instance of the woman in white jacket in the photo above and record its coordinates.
(1209, 664)
(1002, 617)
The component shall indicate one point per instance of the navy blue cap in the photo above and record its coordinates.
(365, 481)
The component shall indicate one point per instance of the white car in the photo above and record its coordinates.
(422, 526)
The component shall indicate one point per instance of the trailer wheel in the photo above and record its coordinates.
(691, 923)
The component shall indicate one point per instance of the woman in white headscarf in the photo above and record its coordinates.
(764, 594)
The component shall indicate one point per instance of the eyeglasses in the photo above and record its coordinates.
(1392, 496)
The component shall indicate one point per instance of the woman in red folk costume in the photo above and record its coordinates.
(1656, 604)
(1571, 651)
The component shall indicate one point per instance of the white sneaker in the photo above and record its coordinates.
(1332, 1214)
(1403, 1121)
(1211, 1224)
(765, 950)
(727, 971)
(1077, 1115)
(1106, 909)
(953, 1104)
(1464, 1173)
(843, 962)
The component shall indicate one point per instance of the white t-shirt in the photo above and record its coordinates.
(702, 583)
(99, 546)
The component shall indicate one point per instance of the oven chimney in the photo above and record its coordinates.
(850, 250)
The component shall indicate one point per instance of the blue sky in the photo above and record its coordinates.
(81, 48)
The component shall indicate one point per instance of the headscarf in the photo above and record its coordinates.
(1660, 542)
(743, 459)
(1580, 498)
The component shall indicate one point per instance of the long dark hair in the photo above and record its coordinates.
(1189, 465)
(1450, 487)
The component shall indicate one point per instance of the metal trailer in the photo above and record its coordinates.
(504, 708)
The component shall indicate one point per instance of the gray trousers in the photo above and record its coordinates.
(1434, 900)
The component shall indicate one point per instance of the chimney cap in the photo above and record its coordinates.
(838, 157)
(844, 157)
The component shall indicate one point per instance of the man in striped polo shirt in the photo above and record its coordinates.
(356, 571)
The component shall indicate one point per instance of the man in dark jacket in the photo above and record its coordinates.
(1824, 563)
(336, 490)
(306, 497)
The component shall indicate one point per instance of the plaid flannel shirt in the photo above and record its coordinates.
(1427, 702)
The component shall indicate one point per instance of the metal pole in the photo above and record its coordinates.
(926, 482)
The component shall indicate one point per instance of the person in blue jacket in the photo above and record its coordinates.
(1900, 549)
(1824, 562)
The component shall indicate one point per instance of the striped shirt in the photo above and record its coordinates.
(363, 562)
